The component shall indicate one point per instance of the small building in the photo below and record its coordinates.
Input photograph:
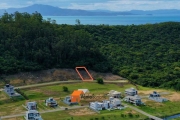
(31, 106)
(131, 92)
(9, 89)
(32, 115)
(157, 97)
(134, 100)
(51, 102)
(114, 94)
(67, 100)
(84, 90)
(112, 103)
(115, 102)
(76, 96)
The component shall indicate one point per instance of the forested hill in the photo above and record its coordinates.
(145, 54)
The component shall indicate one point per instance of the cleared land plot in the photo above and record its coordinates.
(160, 109)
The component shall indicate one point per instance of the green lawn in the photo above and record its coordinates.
(39, 94)
(104, 115)
(57, 90)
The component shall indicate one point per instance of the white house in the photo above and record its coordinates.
(9, 89)
(114, 94)
(51, 102)
(131, 92)
(31, 106)
(84, 90)
(32, 115)
(157, 97)
(96, 105)
(133, 99)
(115, 102)
(105, 104)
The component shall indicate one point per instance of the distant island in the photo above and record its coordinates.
(47, 10)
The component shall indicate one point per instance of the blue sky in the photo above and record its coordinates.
(114, 5)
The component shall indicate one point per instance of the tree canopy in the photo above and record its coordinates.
(145, 54)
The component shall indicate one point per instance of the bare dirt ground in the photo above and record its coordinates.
(83, 111)
(141, 92)
(174, 96)
(131, 111)
(16, 118)
(55, 75)
(3, 96)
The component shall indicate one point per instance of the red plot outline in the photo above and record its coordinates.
(91, 78)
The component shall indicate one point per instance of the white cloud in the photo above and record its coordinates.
(4, 5)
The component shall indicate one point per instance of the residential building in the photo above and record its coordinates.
(84, 90)
(157, 97)
(9, 89)
(131, 92)
(76, 96)
(114, 94)
(31, 106)
(51, 102)
(133, 99)
(112, 103)
(67, 100)
(32, 115)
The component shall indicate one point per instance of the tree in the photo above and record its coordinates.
(65, 89)
(100, 81)
(78, 22)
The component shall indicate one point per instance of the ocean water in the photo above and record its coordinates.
(115, 20)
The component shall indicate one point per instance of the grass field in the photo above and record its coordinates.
(87, 114)
(39, 94)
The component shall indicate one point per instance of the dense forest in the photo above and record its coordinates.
(148, 55)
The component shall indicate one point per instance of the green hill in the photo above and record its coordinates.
(145, 54)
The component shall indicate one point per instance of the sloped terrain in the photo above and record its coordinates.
(55, 75)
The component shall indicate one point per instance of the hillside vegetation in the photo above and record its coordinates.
(145, 54)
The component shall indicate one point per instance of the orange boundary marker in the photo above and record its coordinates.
(91, 78)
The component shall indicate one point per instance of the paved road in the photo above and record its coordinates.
(142, 112)
(46, 111)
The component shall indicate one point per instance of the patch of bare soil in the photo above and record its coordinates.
(174, 96)
(80, 112)
(141, 92)
(152, 103)
(45, 92)
(15, 118)
(55, 75)
(18, 109)
(2, 113)
(3, 96)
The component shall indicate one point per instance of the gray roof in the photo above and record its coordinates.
(131, 90)
(133, 97)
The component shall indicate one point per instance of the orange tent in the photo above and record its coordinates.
(76, 95)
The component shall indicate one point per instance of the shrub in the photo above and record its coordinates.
(130, 114)
(65, 89)
(122, 115)
(22, 93)
(100, 81)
